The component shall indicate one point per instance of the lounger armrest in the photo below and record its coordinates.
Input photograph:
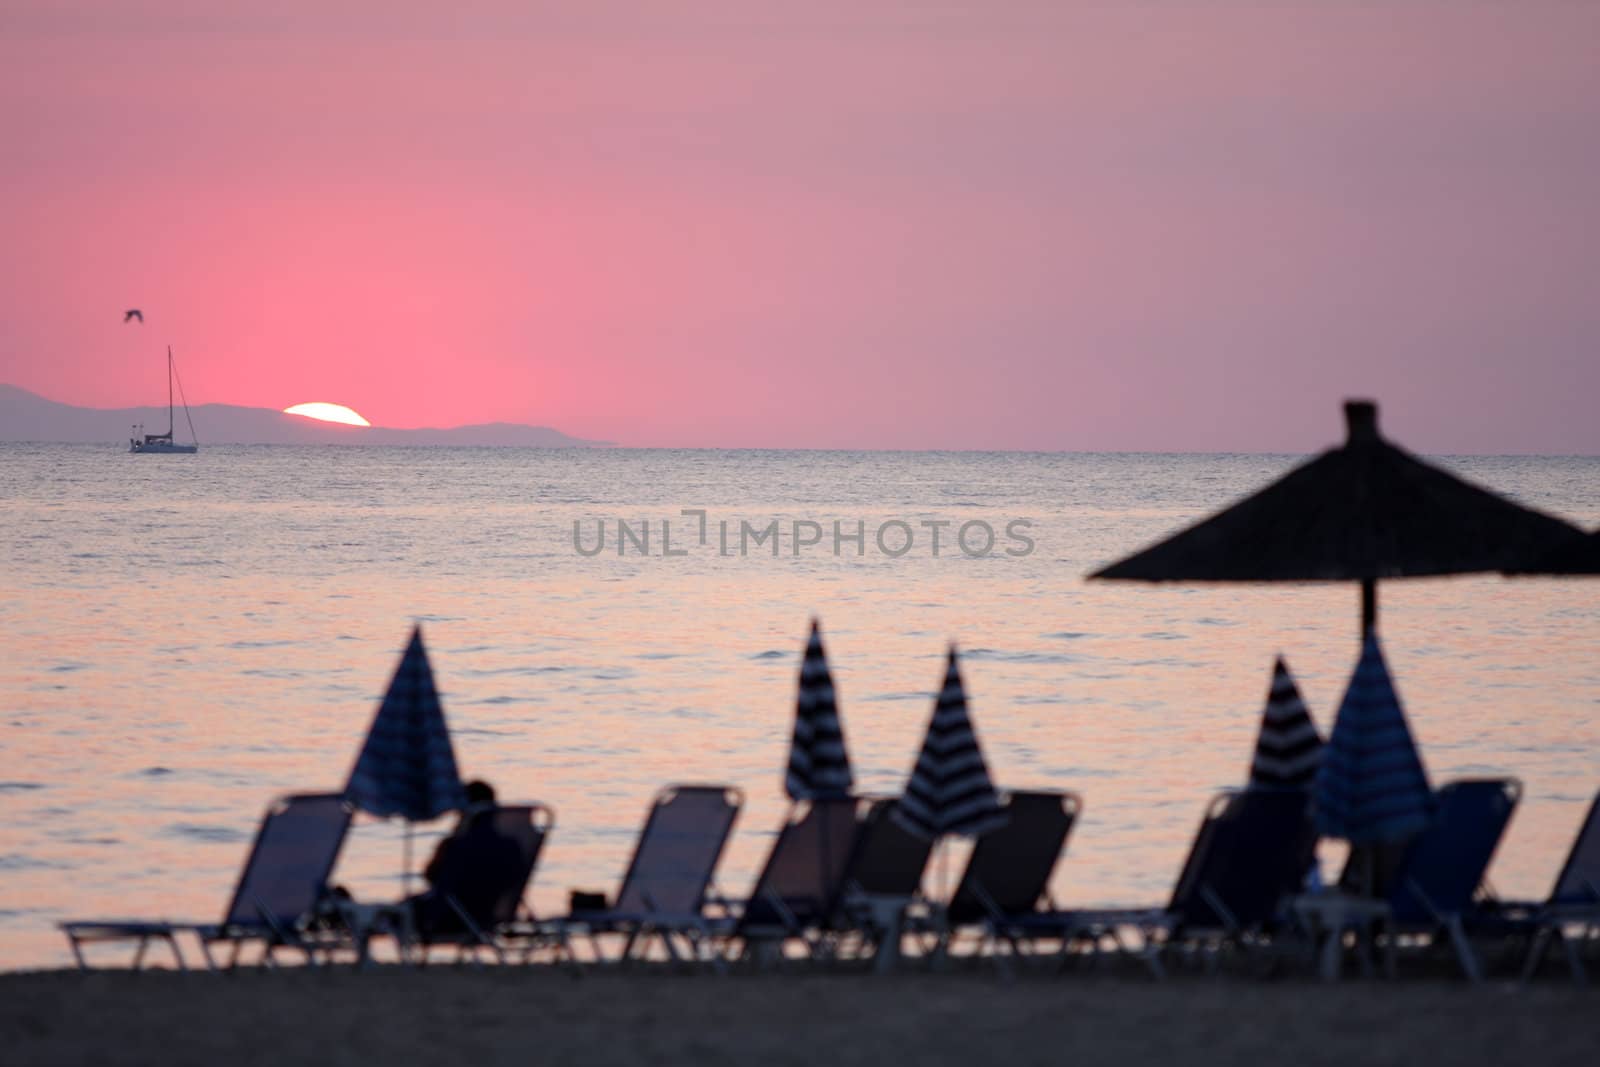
(461, 913)
(1214, 901)
(1108, 918)
(720, 907)
(231, 931)
(589, 920)
(109, 929)
(1508, 909)
(786, 915)
(991, 909)
(1422, 897)
(612, 920)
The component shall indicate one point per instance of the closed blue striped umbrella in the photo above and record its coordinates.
(407, 767)
(819, 763)
(950, 791)
(1288, 748)
(1371, 788)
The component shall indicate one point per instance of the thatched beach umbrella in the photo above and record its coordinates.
(407, 767)
(819, 764)
(1288, 748)
(1359, 512)
(1579, 558)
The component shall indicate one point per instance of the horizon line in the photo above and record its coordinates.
(582, 442)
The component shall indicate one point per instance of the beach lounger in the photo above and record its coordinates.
(838, 868)
(1008, 875)
(1251, 853)
(1443, 868)
(280, 886)
(886, 859)
(882, 883)
(666, 886)
(1569, 916)
(496, 912)
(801, 882)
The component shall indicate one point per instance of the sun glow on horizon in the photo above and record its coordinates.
(325, 412)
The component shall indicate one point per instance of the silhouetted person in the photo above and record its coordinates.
(131, 314)
(475, 866)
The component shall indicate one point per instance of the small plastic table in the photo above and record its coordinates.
(1327, 916)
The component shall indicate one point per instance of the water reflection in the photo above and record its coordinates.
(180, 648)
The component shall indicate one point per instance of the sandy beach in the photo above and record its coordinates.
(523, 1015)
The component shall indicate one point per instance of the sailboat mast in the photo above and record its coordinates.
(169, 390)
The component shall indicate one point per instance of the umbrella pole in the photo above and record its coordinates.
(1369, 606)
(405, 862)
(824, 903)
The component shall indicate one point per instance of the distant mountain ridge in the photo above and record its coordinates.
(26, 416)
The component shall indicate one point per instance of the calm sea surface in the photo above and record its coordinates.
(182, 638)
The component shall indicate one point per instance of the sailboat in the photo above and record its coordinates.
(162, 442)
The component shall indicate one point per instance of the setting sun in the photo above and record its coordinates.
(324, 412)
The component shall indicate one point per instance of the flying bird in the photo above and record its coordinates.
(131, 314)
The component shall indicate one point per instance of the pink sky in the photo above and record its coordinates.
(1056, 226)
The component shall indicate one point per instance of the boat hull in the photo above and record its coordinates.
(162, 448)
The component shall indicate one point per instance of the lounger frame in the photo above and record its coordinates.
(641, 916)
(270, 902)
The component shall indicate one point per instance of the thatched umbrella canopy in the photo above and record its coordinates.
(1363, 511)
(1580, 557)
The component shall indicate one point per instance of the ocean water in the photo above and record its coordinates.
(182, 638)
